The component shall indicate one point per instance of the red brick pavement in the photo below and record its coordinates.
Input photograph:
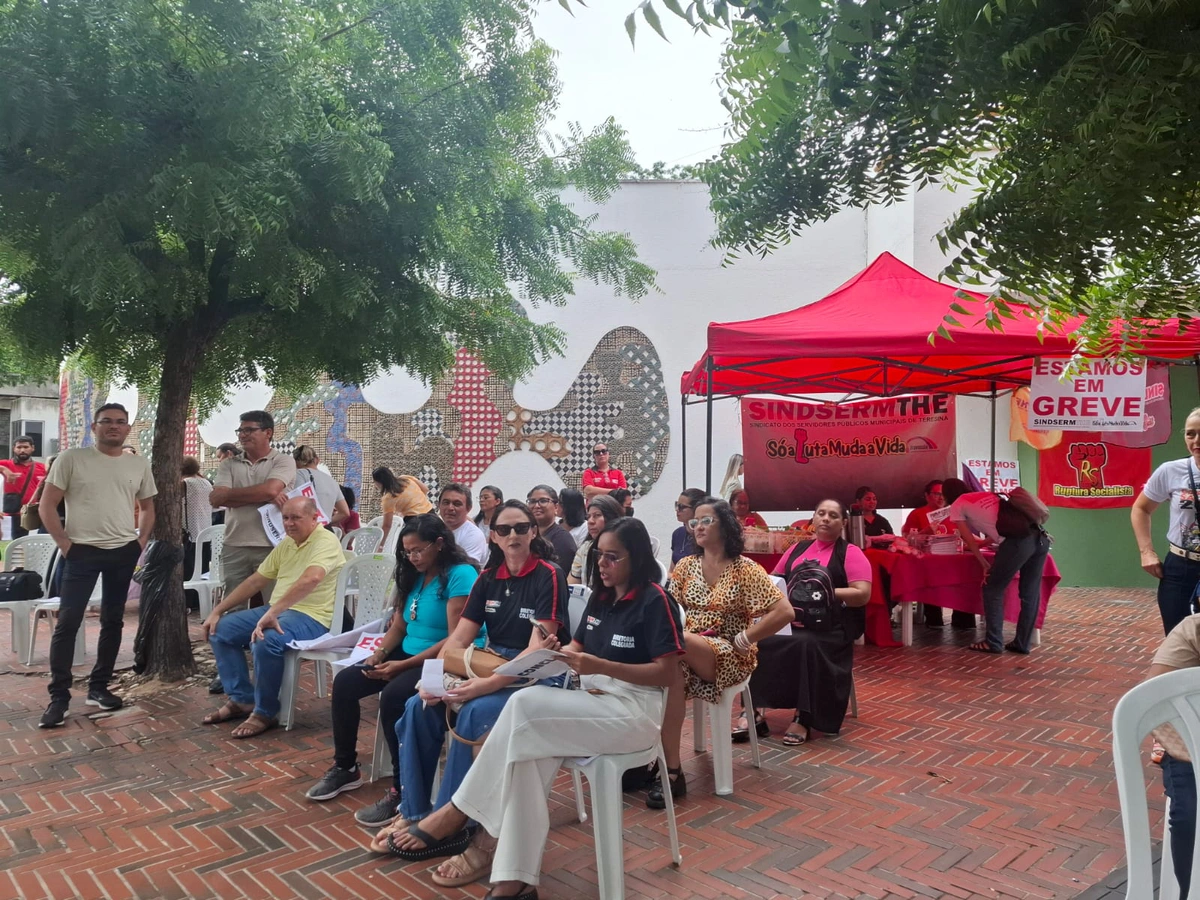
(966, 776)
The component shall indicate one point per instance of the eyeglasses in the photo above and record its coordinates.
(506, 530)
(936, 494)
(246, 430)
(610, 559)
(537, 501)
(706, 521)
(680, 507)
(599, 452)
(416, 551)
(107, 422)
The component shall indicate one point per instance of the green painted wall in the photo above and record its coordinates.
(1095, 548)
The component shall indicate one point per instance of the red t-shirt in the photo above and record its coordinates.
(39, 472)
(610, 479)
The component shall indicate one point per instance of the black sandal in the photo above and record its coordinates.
(761, 728)
(655, 798)
(1012, 647)
(448, 846)
(530, 893)
(983, 647)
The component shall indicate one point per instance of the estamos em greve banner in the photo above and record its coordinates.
(798, 453)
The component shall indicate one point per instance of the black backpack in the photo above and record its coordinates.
(20, 585)
(810, 589)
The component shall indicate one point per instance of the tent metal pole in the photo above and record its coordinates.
(992, 452)
(683, 438)
(708, 369)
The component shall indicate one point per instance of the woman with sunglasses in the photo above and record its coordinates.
(434, 576)
(518, 587)
(730, 603)
(602, 511)
(626, 650)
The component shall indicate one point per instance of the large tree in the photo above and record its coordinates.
(197, 193)
(1075, 124)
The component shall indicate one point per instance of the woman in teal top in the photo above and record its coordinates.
(434, 577)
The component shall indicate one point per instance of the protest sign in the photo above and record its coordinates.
(1087, 472)
(272, 515)
(1097, 395)
(1008, 474)
(798, 453)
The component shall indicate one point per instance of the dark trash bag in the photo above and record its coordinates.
(154, 575)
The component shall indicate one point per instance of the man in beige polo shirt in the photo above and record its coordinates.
(242, 485)
(101, 486)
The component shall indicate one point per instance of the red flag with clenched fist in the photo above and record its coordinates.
(1087, 472)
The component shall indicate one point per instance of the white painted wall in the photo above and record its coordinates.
(672, 226)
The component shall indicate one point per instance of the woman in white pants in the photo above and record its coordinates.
(626, 650)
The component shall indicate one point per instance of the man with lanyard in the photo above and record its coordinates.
(21, 479)
(243, 484)
(101, 486)
(601, 478)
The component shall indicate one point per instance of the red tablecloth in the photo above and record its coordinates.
(954, 582)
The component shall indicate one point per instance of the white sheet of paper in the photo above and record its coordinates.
(344, 641)
(538, 664)
(433, 677)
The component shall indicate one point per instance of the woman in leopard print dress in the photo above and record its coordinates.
(722, 594)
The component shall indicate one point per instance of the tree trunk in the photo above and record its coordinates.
(168, 648)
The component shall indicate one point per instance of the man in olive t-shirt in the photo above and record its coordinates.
(101, 486)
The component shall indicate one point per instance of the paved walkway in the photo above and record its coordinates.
(966, 776)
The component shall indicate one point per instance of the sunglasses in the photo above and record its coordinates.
(680, 507)
(706, 521)
(506, 530)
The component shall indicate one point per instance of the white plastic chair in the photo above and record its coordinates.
(210, 584)
(608, 809)
(337, 530)
(722, 738)
(576, 604)
(33, 553)
(376, 522)
(1171, 698)
(44, 609)
(363, 540)
(373, 574)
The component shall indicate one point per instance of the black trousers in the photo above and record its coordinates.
(80, 570)
(349, 687)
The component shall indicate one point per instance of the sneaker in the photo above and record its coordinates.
(215, 686)
(334, 782)
(654, 796)
(104, 698)
(55, 714)
(380, 812)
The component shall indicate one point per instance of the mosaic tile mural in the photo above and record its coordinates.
(469, 421)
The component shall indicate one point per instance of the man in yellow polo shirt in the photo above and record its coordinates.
(304, 569)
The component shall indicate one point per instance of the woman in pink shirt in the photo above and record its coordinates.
(809, 670)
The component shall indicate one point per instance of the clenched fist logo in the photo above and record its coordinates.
(801, 435)
(1088, 459)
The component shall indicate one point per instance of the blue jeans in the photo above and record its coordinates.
(1175, 590)
(1026, 555)
(229, 643)
(1179, 782)
(421, 732)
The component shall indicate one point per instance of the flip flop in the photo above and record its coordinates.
(227, 713)
(983, 647)
(470, 865)
(253, 727)
(447, 846)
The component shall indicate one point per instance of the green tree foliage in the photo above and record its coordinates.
(1074, 123)
(197, 193)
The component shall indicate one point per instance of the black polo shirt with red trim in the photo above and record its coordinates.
(639, 628)
(507, 603)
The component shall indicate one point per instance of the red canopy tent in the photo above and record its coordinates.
(871, 336)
